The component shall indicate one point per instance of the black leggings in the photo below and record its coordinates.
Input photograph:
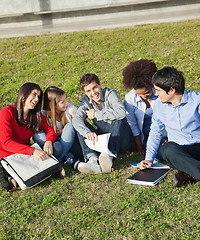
(4, 179)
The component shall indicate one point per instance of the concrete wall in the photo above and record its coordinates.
(16, 7)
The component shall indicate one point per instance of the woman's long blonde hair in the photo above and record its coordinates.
(52, 96)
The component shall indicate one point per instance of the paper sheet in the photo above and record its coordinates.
(101, 145)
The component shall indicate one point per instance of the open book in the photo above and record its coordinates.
(149, 177)
(101, 145)
(156, 165)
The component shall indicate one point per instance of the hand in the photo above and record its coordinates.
(48, 148)
(92, 137)
(91, 114)
(39, 154)
(141, 151)
(164, 141)
(58, 132)
(144, 164)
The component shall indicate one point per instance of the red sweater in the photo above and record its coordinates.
(15, 138)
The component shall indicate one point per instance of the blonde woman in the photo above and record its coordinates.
(59, 114)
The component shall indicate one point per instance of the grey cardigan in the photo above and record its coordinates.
(113, 109)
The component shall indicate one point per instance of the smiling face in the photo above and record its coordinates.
(144, 93)
(93, 91)
(61, 106)
(32, 100)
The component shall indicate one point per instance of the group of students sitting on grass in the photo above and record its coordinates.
(157, 107)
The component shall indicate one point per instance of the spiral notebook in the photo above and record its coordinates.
(149, 177)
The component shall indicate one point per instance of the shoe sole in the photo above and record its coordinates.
(105, 164)
(86, 170)
(62, 173)
(14, 183)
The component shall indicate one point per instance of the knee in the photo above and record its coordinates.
(68, 128)
(39, 138)
(168, 149)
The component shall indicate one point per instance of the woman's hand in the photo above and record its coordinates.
(39, 154)
(138, 142)
(48, 148)
(141, 151)
(144, 164)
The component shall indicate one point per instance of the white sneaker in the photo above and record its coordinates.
(89, 167)
(105, 162)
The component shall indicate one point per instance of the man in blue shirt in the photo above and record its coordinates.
(178, 111)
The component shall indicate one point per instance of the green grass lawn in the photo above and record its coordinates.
(101, 206)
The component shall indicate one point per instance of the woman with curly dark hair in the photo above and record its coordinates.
(139, 101)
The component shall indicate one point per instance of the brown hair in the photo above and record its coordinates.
(87, 78)
(34, 118)
(52, 96)
(138, 74)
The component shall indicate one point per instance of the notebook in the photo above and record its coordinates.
(156, 165)
(149, 177)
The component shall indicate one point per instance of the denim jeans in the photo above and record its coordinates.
(121, 139)
(185, 158)
(62, 147)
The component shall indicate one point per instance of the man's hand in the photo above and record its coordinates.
(144, 164)
(92, 137)
(48, 148)
(91, 114)
(39, 154)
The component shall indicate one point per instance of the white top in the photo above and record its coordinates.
(70, 113)
(135, 111)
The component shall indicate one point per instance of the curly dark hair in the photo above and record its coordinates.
(138, 74)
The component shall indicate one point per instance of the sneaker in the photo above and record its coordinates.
(62, 173)
(75, 163)
(105, 162)
(68, 160)
(89, 167)
(72, 161)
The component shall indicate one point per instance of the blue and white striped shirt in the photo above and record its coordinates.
(181, 122)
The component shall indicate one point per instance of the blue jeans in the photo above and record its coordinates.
(62, 147)
(121, 139)
(185, 158)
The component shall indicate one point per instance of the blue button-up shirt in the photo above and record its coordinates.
(181, 122)
(135, 111)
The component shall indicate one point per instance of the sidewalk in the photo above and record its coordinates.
(121, 16)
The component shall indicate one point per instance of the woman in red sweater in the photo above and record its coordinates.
(18, 123)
